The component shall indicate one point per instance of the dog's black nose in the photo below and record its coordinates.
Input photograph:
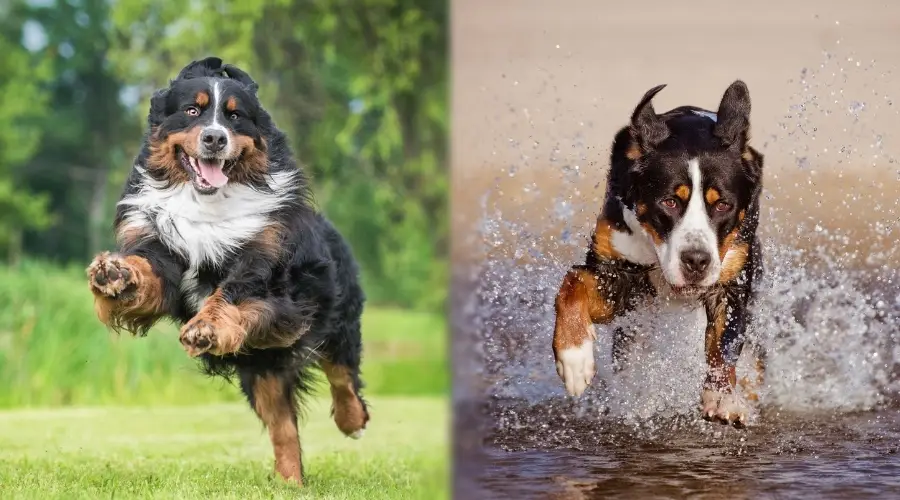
(695, 262)
(214, 139)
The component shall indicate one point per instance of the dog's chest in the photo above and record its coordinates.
(202, 229)
(207, 239)
(207, 231)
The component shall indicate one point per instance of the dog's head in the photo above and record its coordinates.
(208, 128)
(694, 178)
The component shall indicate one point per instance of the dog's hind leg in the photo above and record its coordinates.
(272, 396)
(341, 357)
(348, 407)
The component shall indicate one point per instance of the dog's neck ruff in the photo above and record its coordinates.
(204, 228)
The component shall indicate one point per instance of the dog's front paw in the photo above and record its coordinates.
(112, 277)
(198, 336)
(725, 407)
(201, 335)
(575, 365)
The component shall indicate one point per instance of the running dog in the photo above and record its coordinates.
(216, 230)
(679, 220)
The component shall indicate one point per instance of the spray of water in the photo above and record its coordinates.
(828, 317)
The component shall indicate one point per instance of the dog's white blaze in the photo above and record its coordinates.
(694, 231)
(216, 109)
(636, 247)
(204, 229)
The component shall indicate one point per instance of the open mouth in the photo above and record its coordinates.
(207, 174)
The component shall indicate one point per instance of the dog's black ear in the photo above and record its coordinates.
(647, 127)
(157, 108)
(241, 76)
(753, 165)
(210, 66)
(733, 120)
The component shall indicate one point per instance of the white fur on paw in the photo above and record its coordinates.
(725, 407)
(709, 400)
(358, 434)
(576, 367)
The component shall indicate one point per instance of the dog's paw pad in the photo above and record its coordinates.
(197, 337)
(111, 276)
(725, 408)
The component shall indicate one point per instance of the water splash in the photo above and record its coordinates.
(827, 316)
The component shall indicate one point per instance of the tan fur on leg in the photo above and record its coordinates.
(349, 413)
(221, 327)
(579, 304)
(274, 408)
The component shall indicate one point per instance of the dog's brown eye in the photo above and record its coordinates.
(669, 203)
(723, 206)
(192, 111)
(234, 116)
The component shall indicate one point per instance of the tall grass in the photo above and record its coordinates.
(54, 351)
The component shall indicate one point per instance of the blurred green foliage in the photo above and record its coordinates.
(359, 85)
(23, 101)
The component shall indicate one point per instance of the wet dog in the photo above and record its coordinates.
(679, 220)
(216, 230)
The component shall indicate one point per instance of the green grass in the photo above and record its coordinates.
(54, 351)
(220, 451)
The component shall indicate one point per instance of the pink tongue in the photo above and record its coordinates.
(211, 171)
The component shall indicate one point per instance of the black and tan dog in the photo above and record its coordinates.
(679, 220)
(216, 230)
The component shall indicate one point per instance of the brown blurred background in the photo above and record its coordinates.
(531, 75)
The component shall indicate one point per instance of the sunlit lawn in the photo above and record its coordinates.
(220, 451)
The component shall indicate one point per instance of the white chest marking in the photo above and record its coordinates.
(204, 229)
(636, 247)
